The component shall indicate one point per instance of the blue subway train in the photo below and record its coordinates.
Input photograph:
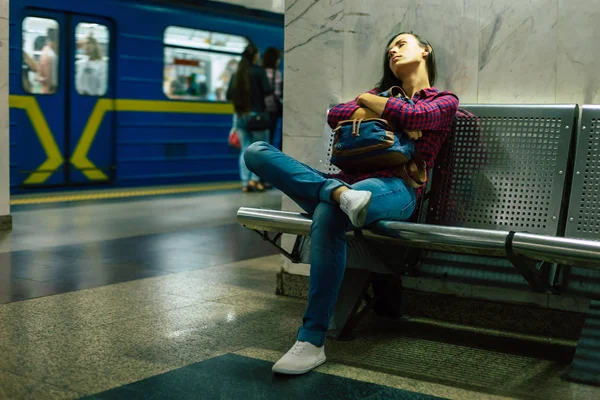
(113, 93)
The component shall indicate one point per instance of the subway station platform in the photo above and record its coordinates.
(166, 296)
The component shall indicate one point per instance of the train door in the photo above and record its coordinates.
(67, 70)
(91, 120)
(42, 123)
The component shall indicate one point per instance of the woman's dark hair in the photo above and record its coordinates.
(96, 53)
(241, 95)
(270, 57)
(389, 79)
(52, 35)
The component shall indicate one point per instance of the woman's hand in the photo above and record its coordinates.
(361, 100)
(414, 134)
(373, 102)
(364, 113)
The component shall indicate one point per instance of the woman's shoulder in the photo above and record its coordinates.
(434, 91)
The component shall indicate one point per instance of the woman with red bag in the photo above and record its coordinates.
(247, 90)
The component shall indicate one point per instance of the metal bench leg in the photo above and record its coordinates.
(586, 364)
(345, 314)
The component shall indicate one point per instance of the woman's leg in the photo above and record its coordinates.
(303, 184)
(258, 136)
(245, 141)
(391, 199)
(327, 265)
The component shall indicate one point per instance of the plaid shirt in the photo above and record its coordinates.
(432, 113)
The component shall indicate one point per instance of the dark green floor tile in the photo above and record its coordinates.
(236, 377)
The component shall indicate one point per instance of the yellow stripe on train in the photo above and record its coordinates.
(54, 158)
(80, 156)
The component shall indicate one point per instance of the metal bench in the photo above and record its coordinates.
(583, 222)
(495, 214)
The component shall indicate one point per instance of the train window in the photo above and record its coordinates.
(91, 59)
(40, 55)
(199, 64)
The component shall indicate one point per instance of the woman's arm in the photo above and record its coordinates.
(346, 111)
(30, 62)
(431, 115)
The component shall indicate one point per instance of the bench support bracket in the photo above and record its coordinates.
(537, 277)
(294, 256)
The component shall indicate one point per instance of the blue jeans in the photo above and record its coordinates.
(246, 139)
(311, 189)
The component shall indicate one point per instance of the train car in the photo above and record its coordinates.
(125, 92)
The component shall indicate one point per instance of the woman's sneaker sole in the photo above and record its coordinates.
(298, 372)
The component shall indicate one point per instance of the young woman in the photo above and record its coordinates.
(91, 71)
(343, 201)
(247, 90)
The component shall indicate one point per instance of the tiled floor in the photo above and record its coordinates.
(178, 302)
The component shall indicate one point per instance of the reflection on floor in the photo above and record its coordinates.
(180, 304)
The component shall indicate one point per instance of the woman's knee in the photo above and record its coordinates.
(252, 155)
(329, 217)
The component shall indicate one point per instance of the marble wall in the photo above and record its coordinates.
(488, 51)
(4, 144)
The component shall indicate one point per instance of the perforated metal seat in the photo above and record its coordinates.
(498, 191)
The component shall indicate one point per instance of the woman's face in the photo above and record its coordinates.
(405, 54)
(89, 48)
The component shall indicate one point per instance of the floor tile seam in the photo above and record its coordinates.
(266, 315)
(146, 315)
(41, 382)
(273, 311)
(176, 273)
(171, 229)
(90, 289)
(92, 372)
(166, 273)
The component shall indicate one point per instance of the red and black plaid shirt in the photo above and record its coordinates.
(432, 113)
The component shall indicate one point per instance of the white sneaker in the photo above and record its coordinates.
(301, 358)
(355, 203)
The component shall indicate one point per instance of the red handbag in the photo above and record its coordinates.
(234, 139)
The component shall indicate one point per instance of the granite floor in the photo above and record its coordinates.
(167, 297)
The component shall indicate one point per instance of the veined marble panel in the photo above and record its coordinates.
(518, 59)
(451, 26)
(578, 31)
(313, 64)
(308, 150)
(313, 77)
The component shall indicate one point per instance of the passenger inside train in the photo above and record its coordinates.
(91, 75)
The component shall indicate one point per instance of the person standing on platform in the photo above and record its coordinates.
(247, 90)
